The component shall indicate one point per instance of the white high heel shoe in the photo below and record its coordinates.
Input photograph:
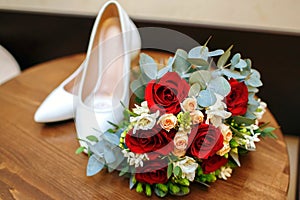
(114, 42)
(59, 104)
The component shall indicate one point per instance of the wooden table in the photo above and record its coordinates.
(38, 161)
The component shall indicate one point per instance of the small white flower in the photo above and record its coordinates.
(167, 121)
(135, 159)
(250, 141)
(260, 111)
(188, 167)
(225, 172)
(141, 109)
(217, 113)
(144, 121)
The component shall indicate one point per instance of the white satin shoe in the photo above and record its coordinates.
(59, 104)
(114, 42)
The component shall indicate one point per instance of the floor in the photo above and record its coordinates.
(293, 150)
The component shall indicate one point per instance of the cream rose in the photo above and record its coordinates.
(181, 140)
(167, 121)
(189, 104)
(226, 132)
(188, 167)
(197, 117)
(179, 153)
(226, 148)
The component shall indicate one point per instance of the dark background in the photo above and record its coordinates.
(33, 38)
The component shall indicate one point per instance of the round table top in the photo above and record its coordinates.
(38, 161)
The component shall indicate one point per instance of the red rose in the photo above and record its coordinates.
(213, 163)
(205, 140)
(146, 141)
(152, 172)
(166, 94)
(237, 99)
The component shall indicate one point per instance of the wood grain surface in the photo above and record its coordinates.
(38, 161)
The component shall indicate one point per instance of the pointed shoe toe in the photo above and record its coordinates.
(58, 106)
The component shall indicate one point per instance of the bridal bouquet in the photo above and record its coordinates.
(192, 121)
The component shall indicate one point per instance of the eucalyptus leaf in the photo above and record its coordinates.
(163, 71)
(199, 52)
(224, 58)
(254, 79)
(202, 77)
(198, 62)
(252, 89)
(249, 114)
(180, 63)
(138, 88)
(220, 86)
(217, 52)
(111, 138)
(233, 74)
(108, 155)
(94, 165)
(206, 98)
(194, 90)
(148, 66)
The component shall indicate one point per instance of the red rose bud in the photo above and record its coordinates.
(166, 94)
(237, 99)
(213, 163)
(205, 140)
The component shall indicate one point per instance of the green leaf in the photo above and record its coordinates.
(243, 120)
(170, 170)
(220, 86)
(194, 90)
(224, 58)
(268, 131)
(80, 150)
(92, 138)
(177, 171)
(202, 77)
(206, 98)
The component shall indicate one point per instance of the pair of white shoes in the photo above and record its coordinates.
(92, 94)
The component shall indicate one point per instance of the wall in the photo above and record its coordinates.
(37, 37)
